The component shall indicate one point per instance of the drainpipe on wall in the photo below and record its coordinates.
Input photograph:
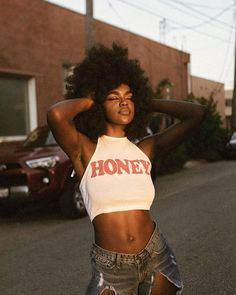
(189, 80)
(233, 116)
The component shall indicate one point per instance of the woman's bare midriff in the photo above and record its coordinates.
(123, 231)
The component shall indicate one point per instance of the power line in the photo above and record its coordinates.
(233, 115)
(202, 14)
(210, 19)
(214, 18)
(223, 72)
(143, 9)
(204, 6)
(199, 12)
(116, 12)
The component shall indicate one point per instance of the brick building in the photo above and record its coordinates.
(206, 88)
(39, 43)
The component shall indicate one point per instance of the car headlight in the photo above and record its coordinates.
(45, 162)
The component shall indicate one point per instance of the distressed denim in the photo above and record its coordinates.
(130, 274)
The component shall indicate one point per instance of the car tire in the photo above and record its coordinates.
(71, 201)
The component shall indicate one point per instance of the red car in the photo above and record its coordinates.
(39, 169)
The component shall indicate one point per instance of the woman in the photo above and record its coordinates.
(130, 255)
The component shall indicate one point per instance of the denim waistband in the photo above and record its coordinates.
(125, 257)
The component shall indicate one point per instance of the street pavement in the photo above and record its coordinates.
(43, 253)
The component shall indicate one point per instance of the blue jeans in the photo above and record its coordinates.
(130, 274)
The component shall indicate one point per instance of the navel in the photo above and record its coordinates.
(131, 238)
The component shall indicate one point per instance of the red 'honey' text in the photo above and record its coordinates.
(117, 166)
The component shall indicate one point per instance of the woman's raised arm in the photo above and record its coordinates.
(60, 120)
(190, 116)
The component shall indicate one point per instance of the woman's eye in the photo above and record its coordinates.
(129, 98)
(113, 98)
(117, 98)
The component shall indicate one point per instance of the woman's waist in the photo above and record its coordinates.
(123, 231)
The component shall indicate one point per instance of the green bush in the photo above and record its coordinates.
(172, 162)
(207, 142)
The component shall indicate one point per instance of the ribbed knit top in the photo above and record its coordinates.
(117, 178)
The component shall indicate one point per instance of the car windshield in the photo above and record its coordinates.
(39, 137)
(233, 136)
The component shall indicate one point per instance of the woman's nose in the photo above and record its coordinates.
(123, 101)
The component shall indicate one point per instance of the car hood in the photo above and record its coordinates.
(23, 154)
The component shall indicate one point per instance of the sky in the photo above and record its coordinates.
(203, 28)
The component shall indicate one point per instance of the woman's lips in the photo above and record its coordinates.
(124, 112)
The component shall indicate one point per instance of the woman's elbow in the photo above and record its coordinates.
(53, 115)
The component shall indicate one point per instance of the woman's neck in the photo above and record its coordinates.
(115, 131)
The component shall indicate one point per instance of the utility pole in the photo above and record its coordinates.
(162, 28)
(89, 25)
(233, 116)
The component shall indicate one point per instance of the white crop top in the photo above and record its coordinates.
(117, 178)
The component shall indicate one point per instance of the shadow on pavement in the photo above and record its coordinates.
(20, 211)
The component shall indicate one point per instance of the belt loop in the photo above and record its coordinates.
(118, 260)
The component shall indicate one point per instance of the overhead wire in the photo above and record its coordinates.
(157, 56)
(226, 57)
(143, 9)
(199, 12)
(116, 12)
(229, 41)
(204, 6)
(209, 20)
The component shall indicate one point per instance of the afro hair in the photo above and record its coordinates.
(102, 70)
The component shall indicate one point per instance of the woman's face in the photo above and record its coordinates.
(119, 106)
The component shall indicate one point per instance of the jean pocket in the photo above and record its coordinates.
(102, 261)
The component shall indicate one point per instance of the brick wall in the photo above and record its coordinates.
(38, 37)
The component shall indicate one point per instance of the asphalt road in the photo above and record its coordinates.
(42, 253)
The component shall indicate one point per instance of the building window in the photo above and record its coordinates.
(67, 70)
(17, 106)
(228, 102)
